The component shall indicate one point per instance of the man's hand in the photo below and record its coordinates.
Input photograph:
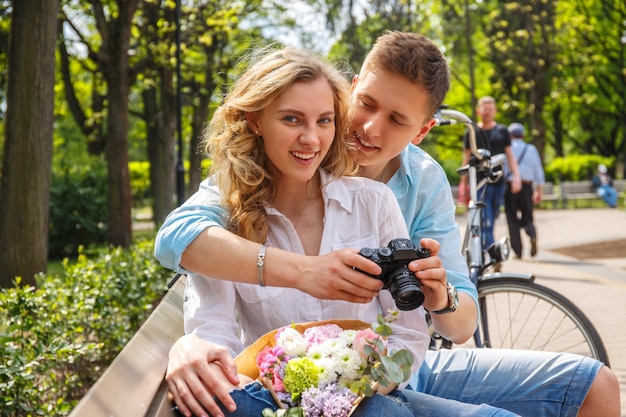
(198, 371)
(432, 276)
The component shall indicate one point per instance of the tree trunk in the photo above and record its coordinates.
(161, 122)
(118, 77)
(27, 157)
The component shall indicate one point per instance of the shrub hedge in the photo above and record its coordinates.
(56, 339)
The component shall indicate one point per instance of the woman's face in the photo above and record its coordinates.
(298, 128)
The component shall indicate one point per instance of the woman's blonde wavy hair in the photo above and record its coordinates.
(237, 153)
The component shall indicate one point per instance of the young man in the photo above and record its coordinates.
(493, 136)
(403, 81)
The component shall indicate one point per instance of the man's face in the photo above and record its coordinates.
(389, 113)
(487, 112)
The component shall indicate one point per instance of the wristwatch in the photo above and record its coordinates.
(453, 301)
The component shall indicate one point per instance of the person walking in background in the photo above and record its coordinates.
(533, 177)
(603, 184)
(493, 136)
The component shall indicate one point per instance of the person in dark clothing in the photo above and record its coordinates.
(516, 204)
(493, 136)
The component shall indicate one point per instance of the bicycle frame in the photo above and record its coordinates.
(479, 259)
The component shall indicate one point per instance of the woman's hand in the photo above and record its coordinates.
(337, 276)
(198, 371)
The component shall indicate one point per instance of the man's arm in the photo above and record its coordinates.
(516, 181)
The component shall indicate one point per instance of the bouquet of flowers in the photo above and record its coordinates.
(324, 369)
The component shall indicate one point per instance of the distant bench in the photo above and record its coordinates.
(569, 193)
(549, 191)
(575, 191)
(134, 385)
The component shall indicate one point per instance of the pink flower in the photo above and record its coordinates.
(318, 334)
(362, 338)
(270, 362)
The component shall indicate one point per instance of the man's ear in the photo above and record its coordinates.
(424, 131)
(355, 80)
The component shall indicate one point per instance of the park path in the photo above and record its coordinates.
(596, 286)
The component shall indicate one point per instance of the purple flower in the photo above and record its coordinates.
(329, 401)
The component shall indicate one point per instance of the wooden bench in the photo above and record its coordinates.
(575, 191)
(134, 385)
(550, 194)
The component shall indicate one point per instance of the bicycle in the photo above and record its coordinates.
(514, 311)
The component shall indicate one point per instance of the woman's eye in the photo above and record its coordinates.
(326, 120)
(290, 119)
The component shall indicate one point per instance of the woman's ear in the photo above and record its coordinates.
(253, 125)
(424, 131)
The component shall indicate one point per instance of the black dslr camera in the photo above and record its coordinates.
(394, 258)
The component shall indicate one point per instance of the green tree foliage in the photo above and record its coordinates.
(522, 49)
(78, 208)
(588, 101)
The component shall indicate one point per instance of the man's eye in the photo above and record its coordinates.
(364, 104)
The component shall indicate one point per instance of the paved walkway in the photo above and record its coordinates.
(596, 286)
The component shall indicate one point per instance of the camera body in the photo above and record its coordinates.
(394, 258)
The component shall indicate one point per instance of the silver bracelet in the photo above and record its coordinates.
(260, 261)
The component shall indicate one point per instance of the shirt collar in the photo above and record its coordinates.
(402, 181)
(335, 190)
(331, 190)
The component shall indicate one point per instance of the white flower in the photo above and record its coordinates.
(292, 341)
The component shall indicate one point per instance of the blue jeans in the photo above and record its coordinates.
(471, 382)
(493, 198)
(527, 383)
(253, 399)
(608, 194)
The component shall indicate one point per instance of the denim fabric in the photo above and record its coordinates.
(527, 383)
(608, 194)
(253, 399)
(471, 382)
(493, 197)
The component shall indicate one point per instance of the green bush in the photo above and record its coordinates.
(56, 339)
(575, 167)
(139, 182)
(78, 208)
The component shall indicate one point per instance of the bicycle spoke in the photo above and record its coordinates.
(518, 314)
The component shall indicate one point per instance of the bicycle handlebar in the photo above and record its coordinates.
(447, 117)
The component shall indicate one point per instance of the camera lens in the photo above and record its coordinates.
(405, 289)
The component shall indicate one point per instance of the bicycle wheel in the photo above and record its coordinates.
(520, 314)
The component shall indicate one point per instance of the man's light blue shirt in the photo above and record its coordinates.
(423, 192)
(530, 167)
(420, 185)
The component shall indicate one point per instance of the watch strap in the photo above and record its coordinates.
(453, 301)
